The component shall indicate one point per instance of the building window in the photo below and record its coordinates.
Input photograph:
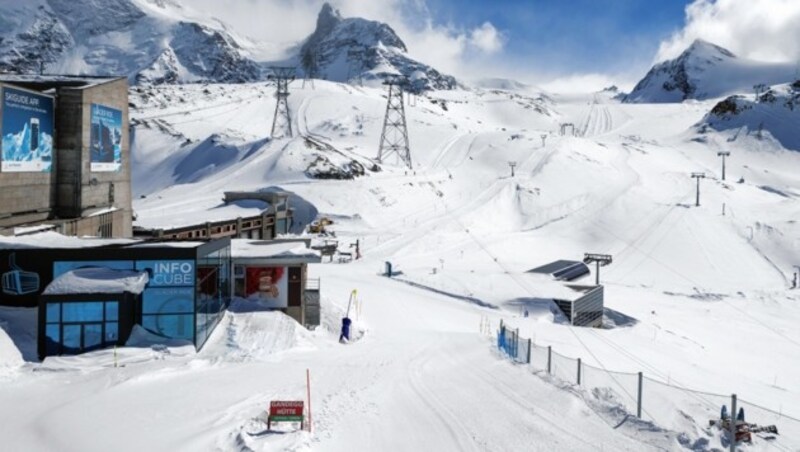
(77, 327)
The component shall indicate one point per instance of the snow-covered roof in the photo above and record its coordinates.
(172, 244)
(98, 280)
(51, 239)
(77, 81)
(543, 286)
(289, 251)
(198, 213)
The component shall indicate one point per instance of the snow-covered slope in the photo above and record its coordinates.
(343, 48)
(706, 71)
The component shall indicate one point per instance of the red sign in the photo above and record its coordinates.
(279, 409)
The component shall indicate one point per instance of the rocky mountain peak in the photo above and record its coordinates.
(328, 18)
(340, 49)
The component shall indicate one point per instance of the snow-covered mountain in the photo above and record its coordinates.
(166, 41)
(706, 71)
(148, 40)
(774, 114)
(341, 48)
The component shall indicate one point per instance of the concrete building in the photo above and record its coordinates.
(582, 305)
(71, 171)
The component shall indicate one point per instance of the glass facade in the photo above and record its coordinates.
(213, 293)
(80, 326)
(184, 299)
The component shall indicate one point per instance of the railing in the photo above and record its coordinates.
(665, 403)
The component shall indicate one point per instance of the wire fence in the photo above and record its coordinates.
(666, 404)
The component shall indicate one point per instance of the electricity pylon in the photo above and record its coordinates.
(394, 137)
(282, 121)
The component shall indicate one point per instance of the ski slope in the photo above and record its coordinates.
(706, 293)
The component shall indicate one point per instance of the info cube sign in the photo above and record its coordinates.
(169, 273)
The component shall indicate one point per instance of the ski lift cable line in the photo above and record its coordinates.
(522, 284)
(193, 110)
(692, 393)
(697, 395)
(525, 288)
(696, 284)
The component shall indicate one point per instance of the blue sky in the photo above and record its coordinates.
(576, 36)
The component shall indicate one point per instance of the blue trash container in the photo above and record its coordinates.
(345, 329)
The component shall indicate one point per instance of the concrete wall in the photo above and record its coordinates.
(25, 197)
(72, 190)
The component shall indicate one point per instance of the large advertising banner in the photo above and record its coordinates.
(27, 130)
(268, 285)
(106, 139)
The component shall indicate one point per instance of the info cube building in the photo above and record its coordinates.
(65, 156)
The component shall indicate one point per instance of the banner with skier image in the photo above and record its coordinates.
(105, 139)
(268, 285)
(27, 130)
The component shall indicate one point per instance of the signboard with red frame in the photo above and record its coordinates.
(285, 411)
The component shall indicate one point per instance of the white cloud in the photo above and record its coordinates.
(587, 83)
(766, 30)
(487, 38)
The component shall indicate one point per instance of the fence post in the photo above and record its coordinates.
(733, 423)
(639, 399)
(529, 351)
(579, 371)
(549, 357)
(516, 344)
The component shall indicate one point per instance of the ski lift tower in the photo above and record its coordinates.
(698, 176)
(282, 121)
(394, 138)
(601, 260)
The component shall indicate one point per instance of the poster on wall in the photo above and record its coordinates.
(105, 139)
(268, 285)
(27, 130)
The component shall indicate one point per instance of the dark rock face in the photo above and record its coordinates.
(34, 48)
(340, 48)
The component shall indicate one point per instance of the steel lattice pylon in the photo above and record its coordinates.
(282, 122)
(394, 138)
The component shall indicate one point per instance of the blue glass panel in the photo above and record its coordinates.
(90, 311)
(112, 310)
(53, 332)
(52, 339)
(280, 226)
(173, 326)
(53, 313)
(72, 338)
(92, 336)
(112, 332)
(168, 300)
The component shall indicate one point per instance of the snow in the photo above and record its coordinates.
(98, 280)
(50, 239)
(277, 250)
(700, 299)
(706, 71)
